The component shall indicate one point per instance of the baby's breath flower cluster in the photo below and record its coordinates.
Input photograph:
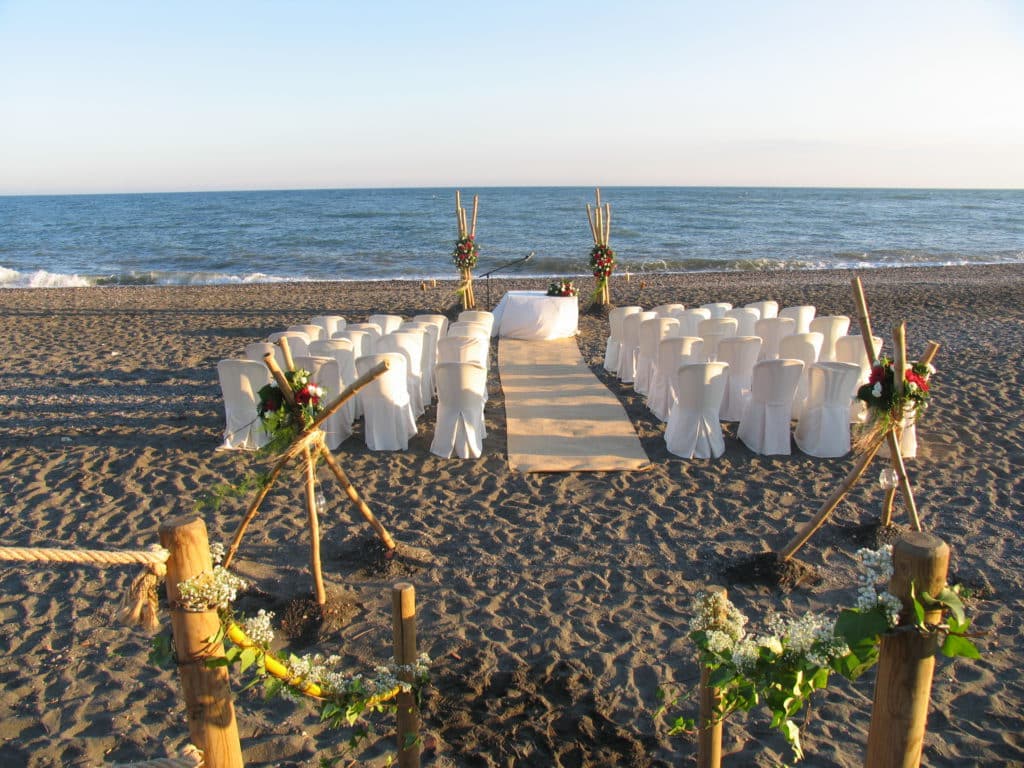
(877, 567)
(209, 590)
(259, 629)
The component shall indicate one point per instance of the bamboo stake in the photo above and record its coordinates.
(353, 494)
(476, 207)
(829, 506)
(597, 195)
(607, 222)
(864, 319)
(899, 370)
(314, 529)
(930, 352)
(593, 229)
(459, 215)
(286, 350)
(207, 691)
(599, 223)
(403, 622)
(906, 660)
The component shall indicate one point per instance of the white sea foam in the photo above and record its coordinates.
(40, 278)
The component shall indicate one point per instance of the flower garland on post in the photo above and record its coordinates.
(466, 250)
(602, 257)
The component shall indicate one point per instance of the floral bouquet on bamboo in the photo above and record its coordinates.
(562, 287)
(281, 422)
(887, 406)
(602, 261)
(465, 253)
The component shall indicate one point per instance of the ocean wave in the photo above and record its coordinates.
(40, 278)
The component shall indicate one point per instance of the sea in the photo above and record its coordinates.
(194, 238)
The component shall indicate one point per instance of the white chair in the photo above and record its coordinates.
(746, 318)
(478, 316)
(386, 323)
(439, 320)
(673, 352)
(314, 332)
(430, 337)
(371, 328)
(611, 348)
(330, 324)
(824, 426)
(469, 328)
(388, 421)
(668, 310)
(805, 348)
(712, 331)
(764, 427)
(689, 320)
(410, 344)
(767, 308)
(850, 349)
(326, 372)
(464, 349)
(717, 308)
(802, 315)
(343, 351)
(240, 383)
(298, 341)
(693, 429)
(740, 353)
(771, 331)
(363, 342)
(831, 327)
(460, 410)
(258, 350)
(630, 345)
(651, 333)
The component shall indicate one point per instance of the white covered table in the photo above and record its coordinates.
(535, 315)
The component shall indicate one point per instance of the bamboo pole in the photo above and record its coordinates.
(211, 713)
(353, 494)
(906, 661)
(286, 351)
(607, 223)
(593, 229)
(403, 604)
(830, 504)
(476, 207)
(864, 320)
(892, 438)
(459, 214)
(314, 529)
(709, 724)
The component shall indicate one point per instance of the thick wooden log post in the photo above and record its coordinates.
(907, 658)
(211, 713)
(709, 724)
(403, 604)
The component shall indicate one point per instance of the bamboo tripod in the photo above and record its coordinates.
(891, 438)
(466, 230)
(309, 446)
(600, 221)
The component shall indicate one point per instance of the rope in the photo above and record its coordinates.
(191, 757)
(140, 605)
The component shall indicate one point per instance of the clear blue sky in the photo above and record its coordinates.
(136, 96)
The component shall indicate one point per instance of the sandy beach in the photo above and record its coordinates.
(553, 605)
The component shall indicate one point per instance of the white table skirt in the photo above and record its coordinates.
(535, 315)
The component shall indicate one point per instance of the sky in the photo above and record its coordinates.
(137, 96)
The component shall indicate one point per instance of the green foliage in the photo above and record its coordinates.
(161, 650)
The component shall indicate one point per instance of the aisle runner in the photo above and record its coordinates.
(560, 417)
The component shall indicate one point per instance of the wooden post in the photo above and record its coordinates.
(907, 658)
(403, 604)
(709, 725)
(211, 714)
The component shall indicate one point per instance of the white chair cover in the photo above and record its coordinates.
(331, 324)
(388, 421)
(651, 333)
(717, 308)
(723, 326)
(314, 332)
(767, 308)
(831, 327)
(469, 328)
(460, 410)
(668, 310)
(410, 344)
(386, 323)
(326, 372)
(693, 429)
(363, 342)
(258, 349)
(430, 331)
(630, 345)
(689, 320)
(371, 328)
(802, 316)
(850, 349)
(611, 349)
(478, 316)
(343, 351)
(439, 320)
(463, 349)
(746, 318)
(673, 352)
(764, 427)
(298, 341)
(240, 383)
(771, 331)
(740, 353)
(805, 348)
(824, 426)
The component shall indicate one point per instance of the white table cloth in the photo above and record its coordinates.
(535, 315)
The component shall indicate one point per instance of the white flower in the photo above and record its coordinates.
(258, 628)
(876, 391)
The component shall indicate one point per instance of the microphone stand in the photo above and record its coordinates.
(515, 263)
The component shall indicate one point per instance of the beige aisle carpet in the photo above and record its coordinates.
(561, 418)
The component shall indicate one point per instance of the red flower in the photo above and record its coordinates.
(876, 374)
(918, 379)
